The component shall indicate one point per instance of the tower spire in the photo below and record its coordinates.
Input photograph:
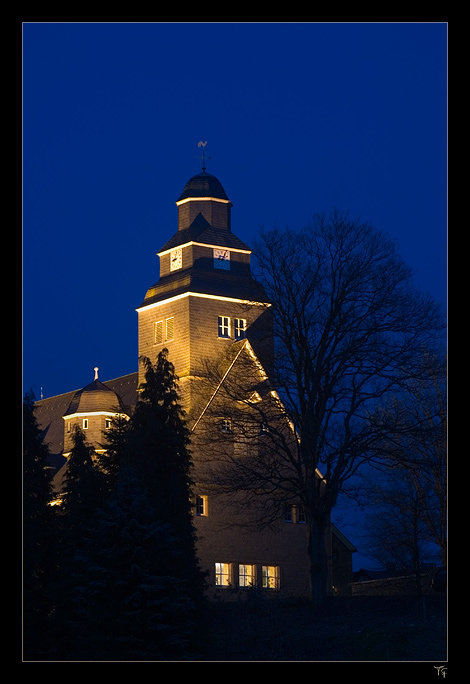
(96, 369)
(203, 144)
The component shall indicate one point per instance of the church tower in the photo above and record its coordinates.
(206, 297)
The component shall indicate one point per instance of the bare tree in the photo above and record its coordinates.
(350, 330)
(396, 530)
(416, 444)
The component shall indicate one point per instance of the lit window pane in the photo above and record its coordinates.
(240, 328)
(224, 326)
(222, 574)
(270, 577)
(246, 575)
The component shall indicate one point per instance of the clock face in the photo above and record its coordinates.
(176, 259)
(222, 258)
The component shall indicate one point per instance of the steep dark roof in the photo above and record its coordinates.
(201, 231)
(49, 413)
(203, 185)
(94, 397)
(205, 283)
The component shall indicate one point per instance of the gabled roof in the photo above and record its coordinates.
(228, 365)
(339, 535)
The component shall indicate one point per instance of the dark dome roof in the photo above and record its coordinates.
(95, 397)
(203, 185)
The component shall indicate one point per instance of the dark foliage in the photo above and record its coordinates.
(129, 587)
(126, 603)
(38, 537)
(158, 449)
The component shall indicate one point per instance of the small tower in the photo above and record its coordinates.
(92, 409)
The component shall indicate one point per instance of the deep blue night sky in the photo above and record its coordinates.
(299, 118)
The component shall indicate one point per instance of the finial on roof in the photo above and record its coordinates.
(203, 144)
(96, 369)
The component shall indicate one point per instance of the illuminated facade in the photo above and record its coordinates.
(213, 317)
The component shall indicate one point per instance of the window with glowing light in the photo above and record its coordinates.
(201, 505)
(224, 326)
(246, 575)
(270, 577)
(239, 325)
(222, 575)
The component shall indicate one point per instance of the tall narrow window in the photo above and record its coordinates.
(158, 332)
(85, 423)
(246, 575)
(169, 328)
(222, 574)
(201, 505)
(224, 326)
(289, 513)
(240, 328)
(270, 574)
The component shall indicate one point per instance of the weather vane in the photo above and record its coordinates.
(203, 144)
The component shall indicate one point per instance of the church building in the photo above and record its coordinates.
(216, 322)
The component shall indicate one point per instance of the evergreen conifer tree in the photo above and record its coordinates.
(38, 537)
(83, 486)
(159, 449)
(115, 449)
(81, 499)
(135, 589)
(127, 604)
